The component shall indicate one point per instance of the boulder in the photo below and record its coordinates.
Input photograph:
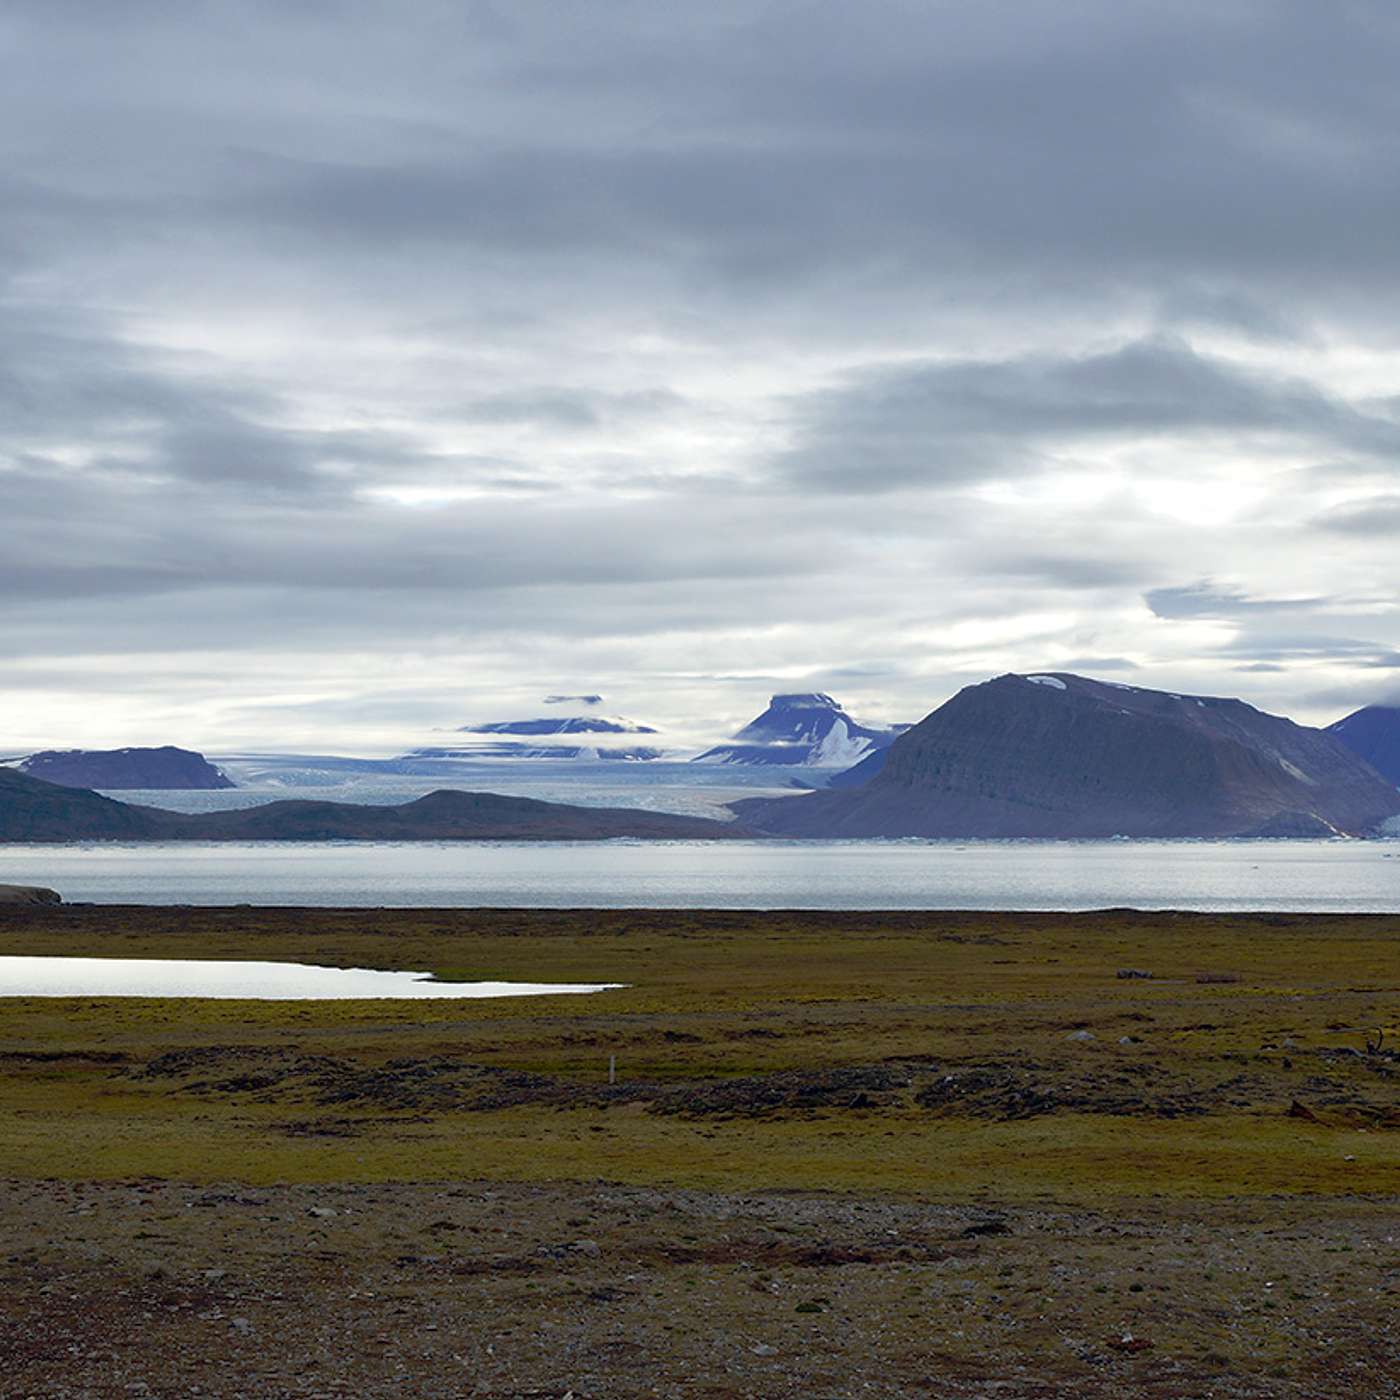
(28, 894)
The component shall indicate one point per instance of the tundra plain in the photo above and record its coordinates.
(843, 1154)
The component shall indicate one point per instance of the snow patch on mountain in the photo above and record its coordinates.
(808, 729)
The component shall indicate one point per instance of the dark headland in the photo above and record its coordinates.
(167, 768)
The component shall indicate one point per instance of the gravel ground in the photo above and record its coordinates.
(150, 1289)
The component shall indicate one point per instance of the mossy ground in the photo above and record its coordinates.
(735, 996)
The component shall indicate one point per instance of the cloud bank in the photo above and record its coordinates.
(363, 369)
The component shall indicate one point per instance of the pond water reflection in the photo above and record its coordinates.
(262, 981)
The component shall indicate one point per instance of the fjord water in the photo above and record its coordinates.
(260, 981)
(1318, 876)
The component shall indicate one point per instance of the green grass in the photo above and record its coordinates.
(715, 995)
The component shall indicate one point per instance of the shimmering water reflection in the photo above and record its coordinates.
(1334, 876)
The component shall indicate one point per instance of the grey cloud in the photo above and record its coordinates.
(1375, 517)
(574, 409)
(1209, 600)
(69, 383)
(1083, 570)
(661, 304)
(131, 541)
(907, 425)
(766, 150)
(1282, 647)
(1092, 665)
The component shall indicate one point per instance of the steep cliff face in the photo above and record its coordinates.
(1373, 734)
(1063, 756)
(115, 769)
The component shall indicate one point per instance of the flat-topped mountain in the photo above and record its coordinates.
(1059, 755)
(808, 729)
(31, 810)
(114, 769)
(1373, 734)
(593, 736)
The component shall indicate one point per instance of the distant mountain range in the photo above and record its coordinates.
(115, 769)
(1058, 755)
(1373, 734)
(1046, 755)
(31, 810)
(806, 729)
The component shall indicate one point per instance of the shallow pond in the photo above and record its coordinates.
(261, 981)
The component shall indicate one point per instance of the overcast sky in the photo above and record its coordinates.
(369, 367)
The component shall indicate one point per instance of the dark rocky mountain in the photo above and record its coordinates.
(113, 769)
(807, 729)
(31, 810)
(1373, 734)
(1063, 756)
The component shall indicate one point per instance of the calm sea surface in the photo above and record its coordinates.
(1206, 875)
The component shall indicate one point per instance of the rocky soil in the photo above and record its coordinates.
(1343, 1086)
(152, 1289)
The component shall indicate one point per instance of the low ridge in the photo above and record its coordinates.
(32, 810)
